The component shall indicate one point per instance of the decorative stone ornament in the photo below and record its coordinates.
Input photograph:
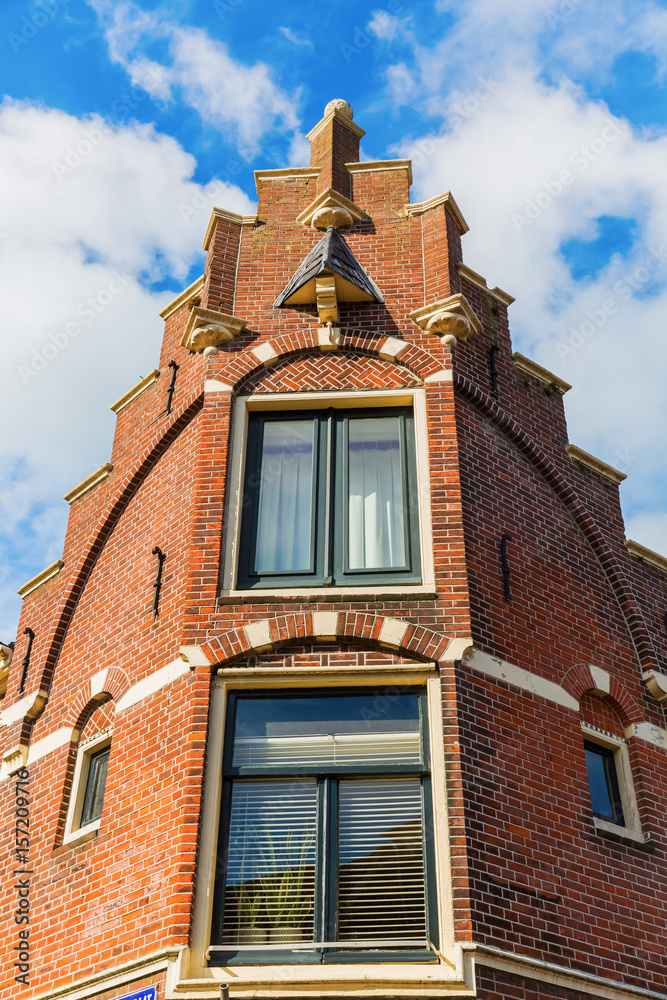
(330, 209)
(341, 106)
(452, 319)
(206, 329)
(327, 302)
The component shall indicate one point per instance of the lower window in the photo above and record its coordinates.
(325, 831)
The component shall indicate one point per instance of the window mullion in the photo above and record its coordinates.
(331, 864)
(327, 480)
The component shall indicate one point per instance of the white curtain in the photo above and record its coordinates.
(375, 483)
(285, 497)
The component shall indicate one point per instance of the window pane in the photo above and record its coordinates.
(376, 526)
(95, 785)
(270, 883)
(351, 729)
(285, 497)
(381, 861)
(598, 783)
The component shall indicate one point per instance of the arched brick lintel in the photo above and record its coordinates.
(612, 566)
(239, 368)
(375, 631)
(579, 681)
(112, 682)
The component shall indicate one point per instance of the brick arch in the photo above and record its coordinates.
(327, 372)
(361, 628)
(110, 683)
(237, 368)
(579, 681)
(613, 568)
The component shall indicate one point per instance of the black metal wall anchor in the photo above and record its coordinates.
(172, 385)
(505, 565)
(157, 586)
(493, 369)
(25, 663)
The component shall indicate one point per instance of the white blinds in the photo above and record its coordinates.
(381, 891)
(336, 748)
(285, 496)
(270, 867)
(376, 530)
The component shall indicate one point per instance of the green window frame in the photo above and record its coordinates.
(93, 799)
(336, 864)
(603, 783)
(327, 536)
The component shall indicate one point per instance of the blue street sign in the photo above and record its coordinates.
(147, 993)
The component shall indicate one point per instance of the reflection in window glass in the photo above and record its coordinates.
(95, 785)
(285, 497)
(376, 529)
(603, 783)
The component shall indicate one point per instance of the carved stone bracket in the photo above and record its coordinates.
(330, 209)
(206, 329)
(452, 319)
(657, 684)
(327, 302)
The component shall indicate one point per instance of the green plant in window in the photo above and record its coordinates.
(287, 896)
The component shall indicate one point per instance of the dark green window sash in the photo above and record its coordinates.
(329, 541)
(95, 785)
(326, 855)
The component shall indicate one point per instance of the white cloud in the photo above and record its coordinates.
(386, 26)
(291, 37)
(90, 212)
(401, 85)
(242, 102)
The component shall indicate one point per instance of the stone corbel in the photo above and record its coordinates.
(452, 319)
(656, 683)
(330, 209)
(15, 758)
(327, 303)
(206, 329)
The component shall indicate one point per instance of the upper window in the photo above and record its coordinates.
(325, 830)
(330, 498)
(603, 783)
(93, 799)
(88, 787)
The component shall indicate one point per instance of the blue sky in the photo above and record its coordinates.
(123, 123)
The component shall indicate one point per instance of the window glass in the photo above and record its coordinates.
(381, 861)
(376, 481)
(603, 783)
(336, 730)
(95, 785)
(285, 497)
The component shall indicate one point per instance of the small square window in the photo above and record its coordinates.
(330, 498)
(325, 831)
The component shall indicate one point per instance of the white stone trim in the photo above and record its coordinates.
(183, 297)
(601, 679)
(134, 392)
(543, 375)
(414, 397)
(54, 741)
(393, 632)
(215, 385)
(380, 166)
(649, 733)
(194, 656)
(524, 679)
(626, 785)
(73, 829)
(458, 648)
(656, 683)
(557, 975)
(444, 375)
(473, 278)
(31, 705)
(285, 174)
(446, 199)
(582, 457)
(152, 683)
(646, 555)
(37, 581)
(258, 634)
(391, 347)
(265, 353)
(227, 216)
(325, 624)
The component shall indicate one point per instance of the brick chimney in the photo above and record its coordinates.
(334, 141)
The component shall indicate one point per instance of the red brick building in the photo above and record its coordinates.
(348, 683)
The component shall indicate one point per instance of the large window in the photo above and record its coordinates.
(325, 831)
(330, 498)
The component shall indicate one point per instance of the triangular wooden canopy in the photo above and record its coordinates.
(331, 256)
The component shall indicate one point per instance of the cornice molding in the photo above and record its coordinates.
(446, 199)
(285, 174)
(542, 375)
(188, 293)
(646, 555)
(595, 464)
(37, 581)
(378, 166)
(134, 392)
(335, 115)
(233, 217)
(479, 282)
(89, 482)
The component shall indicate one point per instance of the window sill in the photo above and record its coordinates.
(78, 837)
(613, 830)
(406, 592)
